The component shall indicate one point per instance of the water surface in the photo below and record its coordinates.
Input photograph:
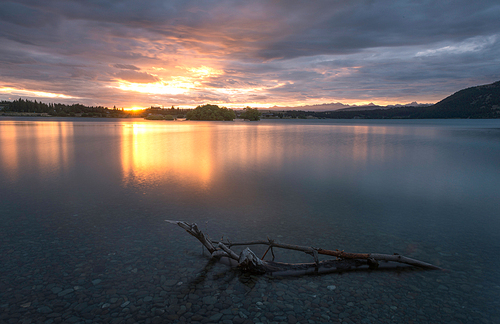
(83, 204)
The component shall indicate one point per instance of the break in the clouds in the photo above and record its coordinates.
(237, 53)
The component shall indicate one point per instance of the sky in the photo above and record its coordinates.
(135, 53)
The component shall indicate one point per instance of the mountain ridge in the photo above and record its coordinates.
(481, 101)
(338, 106)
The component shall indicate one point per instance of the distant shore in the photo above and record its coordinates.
(24, 114)
(34, 114)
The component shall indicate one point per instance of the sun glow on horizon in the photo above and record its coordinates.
(176, 85)
(134, 108)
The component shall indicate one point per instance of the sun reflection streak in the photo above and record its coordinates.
(9, 156)
(157, 153)
(41, 145)
(52, 145)
(200, 154)
(193, 154)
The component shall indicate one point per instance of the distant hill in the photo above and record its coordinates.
(411, 104)
(321, 107)
(475, 102)
(338, 106)
(370, 106)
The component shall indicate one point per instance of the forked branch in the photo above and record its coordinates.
(248, 261)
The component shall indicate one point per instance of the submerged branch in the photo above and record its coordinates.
(248, 261)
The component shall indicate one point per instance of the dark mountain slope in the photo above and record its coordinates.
(476, 102)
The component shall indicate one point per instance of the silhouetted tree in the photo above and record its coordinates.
(252, 114)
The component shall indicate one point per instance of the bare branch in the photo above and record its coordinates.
(248, 261)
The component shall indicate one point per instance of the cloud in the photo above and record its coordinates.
(474, 44)
(16, 13)
(136, 77)
(126, 67)
(249, 52)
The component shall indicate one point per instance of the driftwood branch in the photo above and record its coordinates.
(194, 231)
(248, 261)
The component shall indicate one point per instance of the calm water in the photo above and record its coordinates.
(83, 204)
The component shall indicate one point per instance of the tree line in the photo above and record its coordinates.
(73, 110)
(205, 112)
(58, 109)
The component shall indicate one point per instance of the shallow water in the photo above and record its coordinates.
(83, 204)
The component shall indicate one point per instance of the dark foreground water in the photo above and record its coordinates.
(83, 204)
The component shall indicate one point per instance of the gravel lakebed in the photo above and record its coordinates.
(82, 273)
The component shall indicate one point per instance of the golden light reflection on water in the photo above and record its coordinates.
(368, 143)
(42, 146)
(52, 147)
(360, 147)
(196, 153)
(8, 153)
(200, 153)
(154, 152)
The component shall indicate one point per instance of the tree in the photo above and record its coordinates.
(252, 114)
(210, 112)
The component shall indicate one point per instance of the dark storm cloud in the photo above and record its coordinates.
(290, 50)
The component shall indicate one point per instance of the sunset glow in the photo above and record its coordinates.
(204, 71)
(134, 108)
(31, 93)
(238, 54)
(159, 88)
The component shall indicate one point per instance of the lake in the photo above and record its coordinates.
(83, 204)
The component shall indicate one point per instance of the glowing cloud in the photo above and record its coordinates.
(176, 86)
(160, 88)
(204, 71)
(32, 93)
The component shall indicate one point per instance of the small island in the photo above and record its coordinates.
(214, 112)
(251, 114)
(211, 112)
